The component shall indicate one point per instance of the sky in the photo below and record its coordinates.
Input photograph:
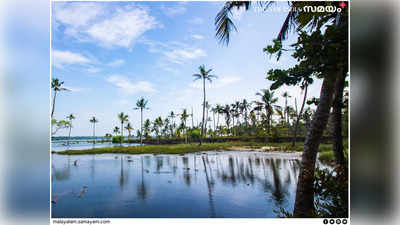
(110, 54)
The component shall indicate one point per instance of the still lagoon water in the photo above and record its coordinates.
(229, 184)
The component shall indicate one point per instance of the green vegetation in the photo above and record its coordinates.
(327, 155)
(190, 148)
(117, 139)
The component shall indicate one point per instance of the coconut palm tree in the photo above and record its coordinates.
(286, 110)
(129, 128)
(116, 130)
(204, 75)
(298, 116)
(184, 117)
(94, 120)
(227, 111)
(123, 118)
(268, 101)
(245, 107)
(70, 117)
(147, 125)
(141, 104)
(157, 124)
(219, 110)
(56, 86)
(172, 123)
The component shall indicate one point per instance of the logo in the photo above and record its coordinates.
(342, 5)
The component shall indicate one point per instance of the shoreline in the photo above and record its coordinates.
(191, 148)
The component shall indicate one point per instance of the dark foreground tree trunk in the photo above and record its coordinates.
(304, 204)
(337, 120)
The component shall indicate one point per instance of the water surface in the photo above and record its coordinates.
(201, 185)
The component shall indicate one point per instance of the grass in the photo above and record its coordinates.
(189, 148)
(326, 154)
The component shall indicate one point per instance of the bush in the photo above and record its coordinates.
(275, 134)
(195, 133)
(331, 188)
(117, 139)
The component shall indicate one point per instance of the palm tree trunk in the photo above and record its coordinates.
(214, 120)
(122, 133)
(217, 119)
(304, 204)
(204, 109)
(298, 117)
(69, 134)
(337, 120)
(54, 104)
(191, 115)
(233, 125)
(94, 133)
(141, 125)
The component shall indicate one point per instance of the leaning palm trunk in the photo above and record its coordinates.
(337, 121)
(69, 134)
(54, 104)
(299, 116)
(304, 204)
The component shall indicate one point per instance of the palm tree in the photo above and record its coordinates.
(147, 125)
(70, 117)
(157, 124)
(94, 121)
(141, 104)
(245, 107)
(116, 130)
(123, 118)
(304, 87)
(224, 25)
(227, 111)
(172, 120)
(286, 111)
(184, 117)
(267, 99)
(204, 75)
(129, 128)
(56, 86)
(219, 111)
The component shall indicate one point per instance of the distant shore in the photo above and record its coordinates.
(193, 147)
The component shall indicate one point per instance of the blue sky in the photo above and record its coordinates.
(110, 54)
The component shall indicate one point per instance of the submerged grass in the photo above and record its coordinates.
(189, 148)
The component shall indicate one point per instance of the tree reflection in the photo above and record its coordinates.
(142, 189)
(210, 197)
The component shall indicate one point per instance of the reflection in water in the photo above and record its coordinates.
(210, 197)
(234, 184)
(141, 189)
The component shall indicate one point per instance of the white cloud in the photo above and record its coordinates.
(196, 21)
(108, 28)
(61, 58)
(180, 56)
(93, 70)
(218, 82)
(130, 87)
(122, 29)
(117, 62)
(77, 14)
(197, 36)
(173, 10)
